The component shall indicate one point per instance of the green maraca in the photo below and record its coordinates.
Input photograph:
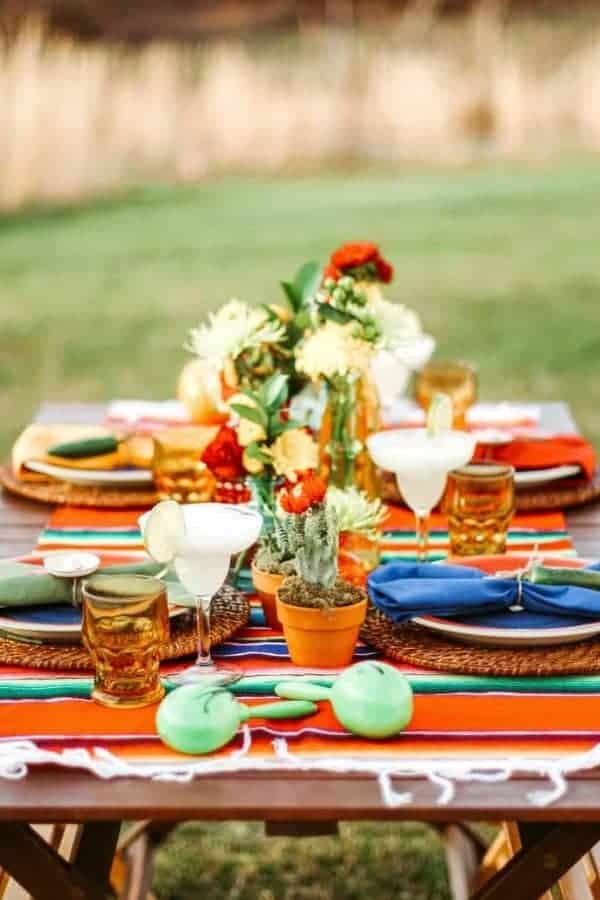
(197, 719)
(370, 699)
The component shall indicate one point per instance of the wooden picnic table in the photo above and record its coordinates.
(554, 838)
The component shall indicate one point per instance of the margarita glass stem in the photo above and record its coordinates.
(422, 531)
(204, 657)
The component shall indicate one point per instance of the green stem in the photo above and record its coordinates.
(343, 450)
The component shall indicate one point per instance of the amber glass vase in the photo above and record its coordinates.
(352, 413)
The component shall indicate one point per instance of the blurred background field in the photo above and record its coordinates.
(158, 158)
(80, 118)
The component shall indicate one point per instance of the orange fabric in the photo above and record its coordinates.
(400, 518)
(453, 714)
(542, 453)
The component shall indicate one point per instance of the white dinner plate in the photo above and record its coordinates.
(488, 636)
(93, 477)
(534, 477)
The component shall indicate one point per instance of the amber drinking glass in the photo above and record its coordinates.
(479, 503)
(125, 624)
(457, 379)
(179, 473)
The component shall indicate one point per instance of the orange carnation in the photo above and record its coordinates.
(355, 255)
(298, 498)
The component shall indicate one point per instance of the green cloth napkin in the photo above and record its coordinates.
(22, 585)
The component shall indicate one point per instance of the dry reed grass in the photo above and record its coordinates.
(76, 120)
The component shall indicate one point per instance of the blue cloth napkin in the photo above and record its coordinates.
(405, 590)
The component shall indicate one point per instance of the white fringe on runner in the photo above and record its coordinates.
(17, 756)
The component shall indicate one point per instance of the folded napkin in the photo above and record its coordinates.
(404, 590)
(542, 453)
(27, 585)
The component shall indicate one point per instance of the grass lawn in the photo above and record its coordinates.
(502, 264)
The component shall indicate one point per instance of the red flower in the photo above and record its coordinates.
(384, 270)
(331, 271)
(355, 255)
(298, 498)
(223, 456)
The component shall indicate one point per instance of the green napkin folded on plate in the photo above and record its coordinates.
(22, 585)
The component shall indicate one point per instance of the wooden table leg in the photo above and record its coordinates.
(46, 875)
(549, 850)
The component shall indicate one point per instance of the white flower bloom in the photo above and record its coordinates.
(333, 350)
(235, 327)
(399, 324)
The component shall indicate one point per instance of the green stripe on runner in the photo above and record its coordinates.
(263, 685)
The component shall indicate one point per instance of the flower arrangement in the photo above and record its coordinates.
(275, 447)
(351, 322)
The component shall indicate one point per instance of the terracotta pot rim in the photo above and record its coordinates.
(319, 610)
(306, 618)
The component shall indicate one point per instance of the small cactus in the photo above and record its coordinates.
(305, 543)
(316, 557)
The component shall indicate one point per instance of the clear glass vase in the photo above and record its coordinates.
(351, 415)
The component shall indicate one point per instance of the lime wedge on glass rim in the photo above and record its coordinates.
(163, 530)
(440, 415)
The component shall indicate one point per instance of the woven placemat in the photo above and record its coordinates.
(230, 612)
(557, 495)
(60, 493)
(414, 644)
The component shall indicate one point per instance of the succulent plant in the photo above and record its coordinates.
(355, 511)
(305, 543)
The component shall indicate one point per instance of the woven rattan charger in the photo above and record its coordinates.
(230, 611)
(61, 493)
(414, 644)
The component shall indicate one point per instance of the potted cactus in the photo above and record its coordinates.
(274, 561)
(321, 614)
(276, 556)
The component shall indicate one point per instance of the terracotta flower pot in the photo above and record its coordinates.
(266, 585)
(323, 638)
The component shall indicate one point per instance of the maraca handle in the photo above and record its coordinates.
(294, 709)
(302, 690)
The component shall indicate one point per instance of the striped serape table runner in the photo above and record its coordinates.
(461, 726)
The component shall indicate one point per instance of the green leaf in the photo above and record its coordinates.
(253, 413)
(307, 280)
(279, 427)
(255, 451)
(334, 315)
(275, 391)
(293, 295)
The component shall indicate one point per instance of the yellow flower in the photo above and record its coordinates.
(294, 451)
(333, 350)
(251, 465)
(247, 431)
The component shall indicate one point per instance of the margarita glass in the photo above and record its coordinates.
(210, 535)
(421, 462)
